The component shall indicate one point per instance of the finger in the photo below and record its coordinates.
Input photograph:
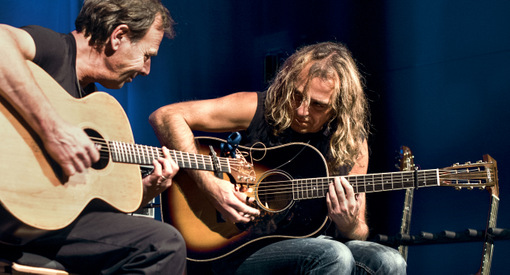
(78, 163)
(85, 159)
(169, 166)
(349, 191)
(93, 153)
(243, 207)
(331, 197)
(166, 152)
(340, 190)
(68, 169)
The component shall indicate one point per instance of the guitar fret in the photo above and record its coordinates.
(137, 153)
(308, 189)
(116, 151)
(155, 153)
(315, 191)
(184, 164)
(123, 152)
(113, 152)
(226, 166)
(302, 191)
(128, 152)
(203, 161)
(408, 179)
(195, 161)
(370, 187)
(119, 152)
(131, 151)
(386, 182)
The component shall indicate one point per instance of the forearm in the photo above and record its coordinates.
(173, 131)
(18, 85)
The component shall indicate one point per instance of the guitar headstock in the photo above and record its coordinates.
(242, 172)
(482, 174)
(406, 159)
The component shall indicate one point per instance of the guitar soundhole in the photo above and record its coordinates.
(104, 155)
(274, 191)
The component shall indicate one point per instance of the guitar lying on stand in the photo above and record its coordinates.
(488, 236)
(488, 245)
(34, 194)
(291, 184)
(406, 164)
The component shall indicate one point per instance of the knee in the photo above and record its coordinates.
(392, 262)
(377, 258)
(171, 240)
(171, 246)
(335, 255)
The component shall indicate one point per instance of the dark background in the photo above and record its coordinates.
(437, 76)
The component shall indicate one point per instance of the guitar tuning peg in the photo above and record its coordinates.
(468, 162)
(456, 164)
(458, 188)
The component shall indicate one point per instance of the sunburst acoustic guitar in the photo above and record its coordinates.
(291, 184)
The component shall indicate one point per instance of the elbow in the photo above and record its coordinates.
(156, 117)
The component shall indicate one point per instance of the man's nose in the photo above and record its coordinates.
(146, 69)
(302, 110)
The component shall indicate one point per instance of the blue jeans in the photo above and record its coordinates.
(324, 256)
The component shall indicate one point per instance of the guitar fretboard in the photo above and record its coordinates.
(318, 187)
(144, 155)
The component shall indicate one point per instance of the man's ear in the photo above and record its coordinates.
(119, 35)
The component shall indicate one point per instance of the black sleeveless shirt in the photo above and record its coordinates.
(56, 54)
(261, 131)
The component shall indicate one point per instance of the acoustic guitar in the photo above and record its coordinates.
(406, 164)
(291, 184)
(35, 196)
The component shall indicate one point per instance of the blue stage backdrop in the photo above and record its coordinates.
(436, 74)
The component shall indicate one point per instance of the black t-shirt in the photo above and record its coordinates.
(56, 54)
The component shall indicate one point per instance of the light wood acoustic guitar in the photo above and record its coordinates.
(35, 196)
(291, 184)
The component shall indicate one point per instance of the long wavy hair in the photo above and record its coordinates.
(350, 114)
(98, 18)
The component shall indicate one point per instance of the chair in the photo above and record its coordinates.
(30, 263)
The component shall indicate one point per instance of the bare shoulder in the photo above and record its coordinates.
(20, 39)
(361, 165)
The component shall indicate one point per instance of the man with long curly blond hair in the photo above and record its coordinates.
(317, 98)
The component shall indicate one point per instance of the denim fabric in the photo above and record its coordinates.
(323, 256)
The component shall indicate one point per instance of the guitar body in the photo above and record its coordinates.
(33, 192)
(208, 237)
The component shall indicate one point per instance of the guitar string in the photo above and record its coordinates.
(426, 174)
(310, 188)
(136, 151)
(274, 188)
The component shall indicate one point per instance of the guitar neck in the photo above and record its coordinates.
(488, 245)
(369, 183)
(144, 155)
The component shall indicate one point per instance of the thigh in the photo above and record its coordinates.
(112, 241)
(374, 258)
(300, 256)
